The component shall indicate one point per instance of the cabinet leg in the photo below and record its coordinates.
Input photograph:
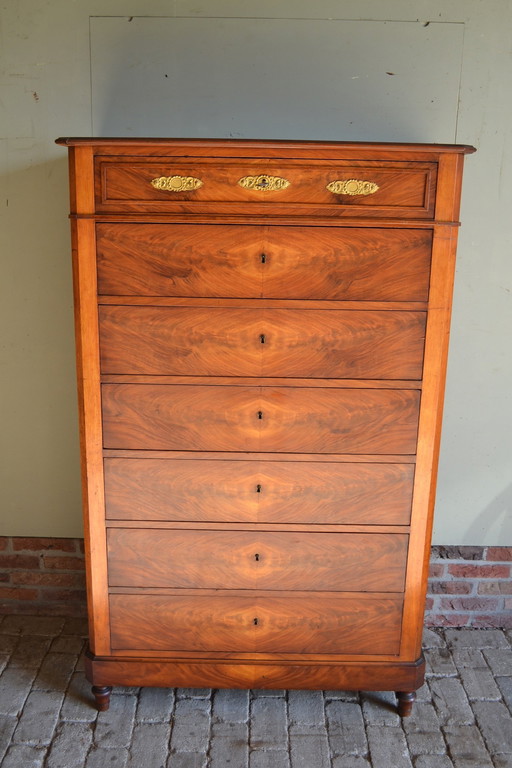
(405, 701)
(102, 697)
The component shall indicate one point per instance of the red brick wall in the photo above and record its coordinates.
(468, 587)
(42, 576)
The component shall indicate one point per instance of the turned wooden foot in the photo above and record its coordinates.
(405, 701)
(102, 697)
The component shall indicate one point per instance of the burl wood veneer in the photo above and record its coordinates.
(262, 333)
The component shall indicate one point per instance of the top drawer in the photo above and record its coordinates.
(260, 186)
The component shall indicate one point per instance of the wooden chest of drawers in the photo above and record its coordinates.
(262, 333)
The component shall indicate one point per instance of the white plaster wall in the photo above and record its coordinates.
(45, 92)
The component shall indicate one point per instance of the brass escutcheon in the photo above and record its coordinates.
(264, 183)
(352, 187)
(177, 183)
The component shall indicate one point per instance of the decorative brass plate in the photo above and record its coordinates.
(264, 183)
(353, 187)
(177, 183)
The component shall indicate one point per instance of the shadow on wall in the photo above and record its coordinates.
(39, 448)
(496, 516)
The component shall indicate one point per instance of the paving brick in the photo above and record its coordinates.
(4, 660)
(269, 724)
(229, 745)
(30, 652)
(345, 727)
(306, 707)
(469, 657)
(342, 695)
(503, 761)
(187, 760)
(263, 693)
(230, 706)
(193, 693)
(433, 761)
(70, 746)
(68, 644)
(350, 762)
(500, 661)
(505, 686)
(48, 626)
(191, 729)
(308, 748)
(388, 747)
(423, 693)
(450, 701)
(24, 756)
(495, 723)
(379, 708)
(7, 726)
(439, 662)
(274, 759)
(114, 727)
(39, 719)
(155, 705)
(78, 703)
(15, 685)
(149, 745)
(108, 758)
(479, 684)
(465, 743)
(476, 638)
(75, 626)
(8, 643)
(432, 639)
(423, 731)
(55, 672)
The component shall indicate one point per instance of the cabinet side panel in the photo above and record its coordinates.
(429, 433)
(86, 329)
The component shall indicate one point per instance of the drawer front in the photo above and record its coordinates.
(185, 185)
(286, 419)
(191, 559)
(258, 491)
(315, 624)
(262, 342)
(255, 261)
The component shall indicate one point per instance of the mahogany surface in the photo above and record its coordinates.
(312, 492)
(261, 377)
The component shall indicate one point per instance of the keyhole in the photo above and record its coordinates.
(258, 488)
(255, 621)
(257, 557)
(260, 414)
(262, 338)
(263, 258)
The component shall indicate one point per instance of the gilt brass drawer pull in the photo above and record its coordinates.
(177, 183)
(353, 187)
(264, 183)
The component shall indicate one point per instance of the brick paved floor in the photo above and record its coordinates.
(462, 718)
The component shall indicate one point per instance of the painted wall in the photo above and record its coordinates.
(261, 69)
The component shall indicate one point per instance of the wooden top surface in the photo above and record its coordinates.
(70, 141)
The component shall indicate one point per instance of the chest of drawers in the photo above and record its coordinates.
(262, 335)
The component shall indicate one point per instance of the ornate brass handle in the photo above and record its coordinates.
(352, 187)
(177, 183)
(264, 183)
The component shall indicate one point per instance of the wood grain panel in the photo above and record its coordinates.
(259, 342)
(261, 261)
(256, 624)
(352, 562)
(402, 187)
(258, 491)
(167, 417)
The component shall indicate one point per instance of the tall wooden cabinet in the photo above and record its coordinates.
(262, 333)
